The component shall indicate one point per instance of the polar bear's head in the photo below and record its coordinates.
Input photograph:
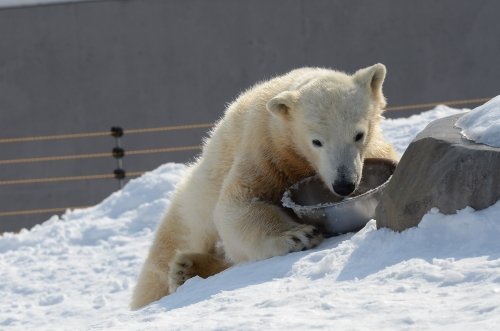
(333, 119)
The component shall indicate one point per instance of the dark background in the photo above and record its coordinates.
(84, 67)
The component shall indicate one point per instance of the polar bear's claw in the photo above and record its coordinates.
(302, 237)
(181, 270)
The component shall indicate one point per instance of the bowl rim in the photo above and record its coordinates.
(288, 202)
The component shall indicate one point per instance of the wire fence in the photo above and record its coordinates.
(57, 158)
(117, 152)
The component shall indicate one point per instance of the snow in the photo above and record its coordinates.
(482, 124)
(77, 272)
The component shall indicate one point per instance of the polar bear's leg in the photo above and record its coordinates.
(187, 265)
(152, 283)
(254, 230)
(151, 286)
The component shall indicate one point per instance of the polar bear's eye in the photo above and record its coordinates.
(359, 136)
(317, 143)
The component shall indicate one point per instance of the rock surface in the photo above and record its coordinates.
(439, 169)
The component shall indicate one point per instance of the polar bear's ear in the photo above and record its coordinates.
(281, 104)
(372, 76)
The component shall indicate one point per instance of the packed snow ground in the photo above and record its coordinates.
(77, 272)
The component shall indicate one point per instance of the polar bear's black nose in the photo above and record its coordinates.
(343, 188)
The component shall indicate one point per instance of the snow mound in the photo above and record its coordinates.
(77, 272)
(373, 279)
(482, 124)
(63, 274)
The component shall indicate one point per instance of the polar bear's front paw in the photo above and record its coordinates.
(302, 237)
(181, 269)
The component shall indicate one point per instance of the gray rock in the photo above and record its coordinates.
(439, 169)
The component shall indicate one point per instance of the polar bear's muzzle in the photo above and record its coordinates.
(343, 185)
(344, 188)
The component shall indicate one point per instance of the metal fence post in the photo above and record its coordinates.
(118, 153)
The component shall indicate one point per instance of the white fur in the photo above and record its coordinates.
(262, 145)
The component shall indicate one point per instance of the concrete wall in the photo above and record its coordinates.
(84, 67)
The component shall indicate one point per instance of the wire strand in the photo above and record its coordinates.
(431, 104)
(38, 211)
(64, 179)
(100, 155)
(106, 133)
(170, 128)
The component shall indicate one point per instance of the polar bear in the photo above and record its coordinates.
(310, 120)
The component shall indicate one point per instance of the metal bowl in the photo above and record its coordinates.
(315, 204)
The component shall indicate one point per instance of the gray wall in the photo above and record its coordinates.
(83, 67)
